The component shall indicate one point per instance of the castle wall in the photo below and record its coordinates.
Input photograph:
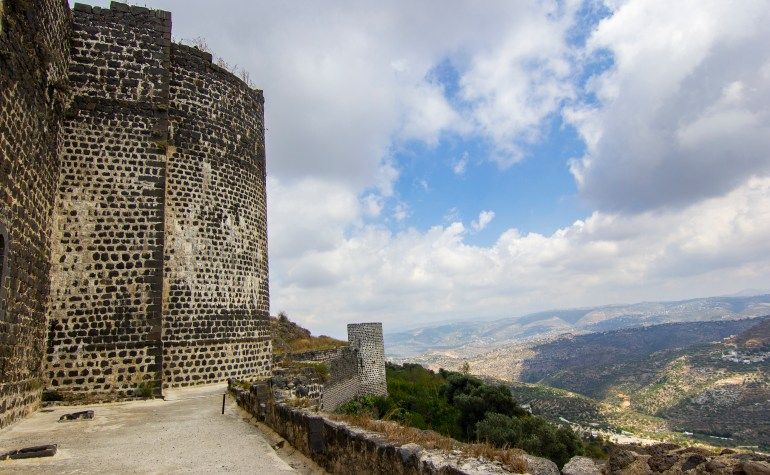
(357, 369)
(105, 313)
(344, 383)
(216, 321)
(132, 208)
(33, 74)
(367, 338)
(342, 448)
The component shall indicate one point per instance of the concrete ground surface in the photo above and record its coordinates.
(182, 434)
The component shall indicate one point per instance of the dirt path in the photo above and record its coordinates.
(185, 433)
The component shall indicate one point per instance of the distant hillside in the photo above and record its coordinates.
(757, 338)
(711, 379)
(588, 363)
(472, 337)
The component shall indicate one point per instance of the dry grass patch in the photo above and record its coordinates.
(511, 459)
(314, 343)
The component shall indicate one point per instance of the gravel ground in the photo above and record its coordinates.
(184, 433)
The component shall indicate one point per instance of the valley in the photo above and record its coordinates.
(687, 382)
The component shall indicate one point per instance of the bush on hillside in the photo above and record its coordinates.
(465, 408)
(531, 434)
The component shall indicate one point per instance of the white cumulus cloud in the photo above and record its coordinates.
(485, 217)
(459, 167)
(717, 246)
(684, 112)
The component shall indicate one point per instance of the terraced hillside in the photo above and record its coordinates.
(704, 380)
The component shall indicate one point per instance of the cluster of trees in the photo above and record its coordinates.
(465, 408)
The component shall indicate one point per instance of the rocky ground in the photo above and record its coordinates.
(672, 459)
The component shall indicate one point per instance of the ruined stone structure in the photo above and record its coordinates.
(132, 208)
(367, 338)
(357, 369)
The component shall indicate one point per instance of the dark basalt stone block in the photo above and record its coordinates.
(77, 416)
(30, 452)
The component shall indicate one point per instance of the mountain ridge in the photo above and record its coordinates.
(467, 335)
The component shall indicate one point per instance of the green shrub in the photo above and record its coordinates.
(532, 434)
(145, 389)
(479, 401)
(467, 409)
(374, 407)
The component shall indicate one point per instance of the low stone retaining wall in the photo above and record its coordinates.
(342, 449)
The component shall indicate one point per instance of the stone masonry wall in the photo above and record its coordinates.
(105, 313)
(320, 356)
(344, 383)
(344, 449)
(33, 94)
(367, 338)
(357, 369)
(160, 233)
(216, 312)
(132, 208)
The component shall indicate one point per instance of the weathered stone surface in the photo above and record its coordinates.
(341, 448)
(132, 209)
(33, 96)
(30, 452)
(693, 461)
(662, 462)
(671, 459)
(368, 340)
(77, 416)
(755, 468)
(620, 459)
(581, 466)
(354, 370)
(410, 454)
(540, 466)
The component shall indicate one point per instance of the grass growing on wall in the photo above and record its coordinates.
(315, 343)
(288, 337)
(321, 370)
(509, 458)
(145, 389)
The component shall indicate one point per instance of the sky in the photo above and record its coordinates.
(440, 160)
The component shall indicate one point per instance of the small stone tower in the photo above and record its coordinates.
(367, 339)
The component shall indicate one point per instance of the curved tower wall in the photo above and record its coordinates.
(159, 237)
(216, 301)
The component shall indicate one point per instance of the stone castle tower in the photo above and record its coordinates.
(133, 234)
(367, 338)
